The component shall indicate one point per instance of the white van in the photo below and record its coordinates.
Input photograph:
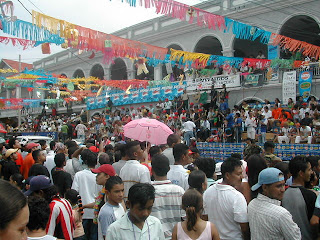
(33, 138)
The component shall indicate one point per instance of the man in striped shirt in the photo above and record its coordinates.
(60, 223)
(168, 196)
(267, 219)
(133, 172)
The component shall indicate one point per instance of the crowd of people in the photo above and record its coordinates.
(204, 116)
(126, 189)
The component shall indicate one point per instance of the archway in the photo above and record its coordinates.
(209, 45)
(78, 74)
(174, 69)
(119, 70)
(249, 49)
(303, 28)
(97, 71)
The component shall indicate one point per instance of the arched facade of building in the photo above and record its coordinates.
(301, 27)
(97, 71)
(78, 74)
(209, 45)
(119, 70)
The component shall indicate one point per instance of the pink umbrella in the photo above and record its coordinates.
(145, 129)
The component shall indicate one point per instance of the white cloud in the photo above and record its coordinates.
(103, 15)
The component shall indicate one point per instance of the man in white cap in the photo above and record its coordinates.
(267, 219)
(9, 166)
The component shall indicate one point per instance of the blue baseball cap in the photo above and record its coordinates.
(268, 176)
(38, 183)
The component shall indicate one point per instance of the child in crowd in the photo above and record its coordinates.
(194, 227)
(75, 200)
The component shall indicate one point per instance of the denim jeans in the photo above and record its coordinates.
(90, 229)
(187, 136)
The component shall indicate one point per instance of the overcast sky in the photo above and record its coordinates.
(103, 15)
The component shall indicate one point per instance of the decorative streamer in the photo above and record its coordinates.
(28, 31)
(17, 41)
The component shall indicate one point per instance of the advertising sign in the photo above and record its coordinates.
(289, 86)
(305, 81)
(206, 83)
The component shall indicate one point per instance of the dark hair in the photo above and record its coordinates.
(108, 148)
(207, 165)
(35, 154)
(192, 203)
(229, 165)
(12, 142)
(71, 151)
(42, 142)
(283, 167)
(172, 139)
(113, 180)
(59, 159)
(297, 164)
(141, 193)
(89, 157)
(49, 193)
(12, 201)
(70, 144)
(160, 165)
(314, 161)
(39, 213)
(256, 164)
(72, 196)
(179, 149)
(117, 156)
(121, 148)
(268, 145)
(154, 150)
(236, 155)
(196, 179)
(131, 148)
(111, 157)
(18, 178)
(52, 145)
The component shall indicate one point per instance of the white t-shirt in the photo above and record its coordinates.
(46, 237)
(267, 115)
(85, 183)
(49, 163)
(179, 175)
(226, 208)
(168, 152)
(189, 126)
(133, 172)
(108, 214)
(306, 131)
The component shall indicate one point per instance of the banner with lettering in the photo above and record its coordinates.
(206, 83)
(305, 81)
(152, 94)
(251, 79)
(289, 88)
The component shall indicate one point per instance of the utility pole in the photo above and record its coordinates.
(18, 93)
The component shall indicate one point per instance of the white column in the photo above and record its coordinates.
(158, 72)
(228, 52)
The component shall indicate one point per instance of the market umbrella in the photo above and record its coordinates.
(145, 129)
(2, 129)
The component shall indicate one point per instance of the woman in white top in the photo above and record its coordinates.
(194, 227)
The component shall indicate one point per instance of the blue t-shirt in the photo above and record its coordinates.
(230, 120)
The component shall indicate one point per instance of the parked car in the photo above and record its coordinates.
(33, 138)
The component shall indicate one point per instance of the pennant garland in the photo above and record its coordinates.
(8, 70)
(17, 41)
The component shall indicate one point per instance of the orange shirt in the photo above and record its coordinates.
(276, 113)
(19, 162)
(27, 163)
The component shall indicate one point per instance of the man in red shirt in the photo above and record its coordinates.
(29, 161)
(276, 112)
(15, 144)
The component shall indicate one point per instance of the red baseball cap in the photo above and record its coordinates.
(31, 145)
(94, 149)
(105, 168)
(149, 113)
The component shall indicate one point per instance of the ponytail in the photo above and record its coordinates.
(191, 217)
(80, 204)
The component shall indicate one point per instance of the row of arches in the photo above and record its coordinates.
(301, 27)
